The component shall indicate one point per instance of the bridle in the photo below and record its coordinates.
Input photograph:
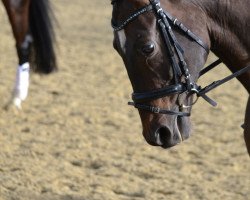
(180, 69)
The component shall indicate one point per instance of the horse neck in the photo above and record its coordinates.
(228, 25)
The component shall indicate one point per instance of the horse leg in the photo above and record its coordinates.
(247, 127)
(18, 13)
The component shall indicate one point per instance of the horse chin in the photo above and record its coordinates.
(168, 137)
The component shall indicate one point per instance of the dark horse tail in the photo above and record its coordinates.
(43, 58)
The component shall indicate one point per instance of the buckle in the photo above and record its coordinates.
(155, 109)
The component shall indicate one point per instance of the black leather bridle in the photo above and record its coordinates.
(180, 69)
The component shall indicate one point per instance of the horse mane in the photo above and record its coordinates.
(226, 14)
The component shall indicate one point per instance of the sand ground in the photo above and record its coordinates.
(76, 139)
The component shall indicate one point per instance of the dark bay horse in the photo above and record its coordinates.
(33, 31)
(164, 46)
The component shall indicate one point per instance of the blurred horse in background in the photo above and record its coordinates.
(34, 35)
(164, 48)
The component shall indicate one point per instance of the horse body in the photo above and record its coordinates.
(229, 29)
(222, 25)
(33, 31)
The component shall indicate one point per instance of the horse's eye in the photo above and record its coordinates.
(148, 48)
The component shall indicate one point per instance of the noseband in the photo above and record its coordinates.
(180, 69)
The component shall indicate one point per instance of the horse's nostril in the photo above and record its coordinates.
(163, 136)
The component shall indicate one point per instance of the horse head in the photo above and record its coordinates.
(163, 59)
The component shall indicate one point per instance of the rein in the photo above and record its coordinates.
(165, 22)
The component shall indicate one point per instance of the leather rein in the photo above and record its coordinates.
(180, 69)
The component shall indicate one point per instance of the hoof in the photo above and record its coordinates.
(15, 103)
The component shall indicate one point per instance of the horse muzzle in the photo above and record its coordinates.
(167, 133)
